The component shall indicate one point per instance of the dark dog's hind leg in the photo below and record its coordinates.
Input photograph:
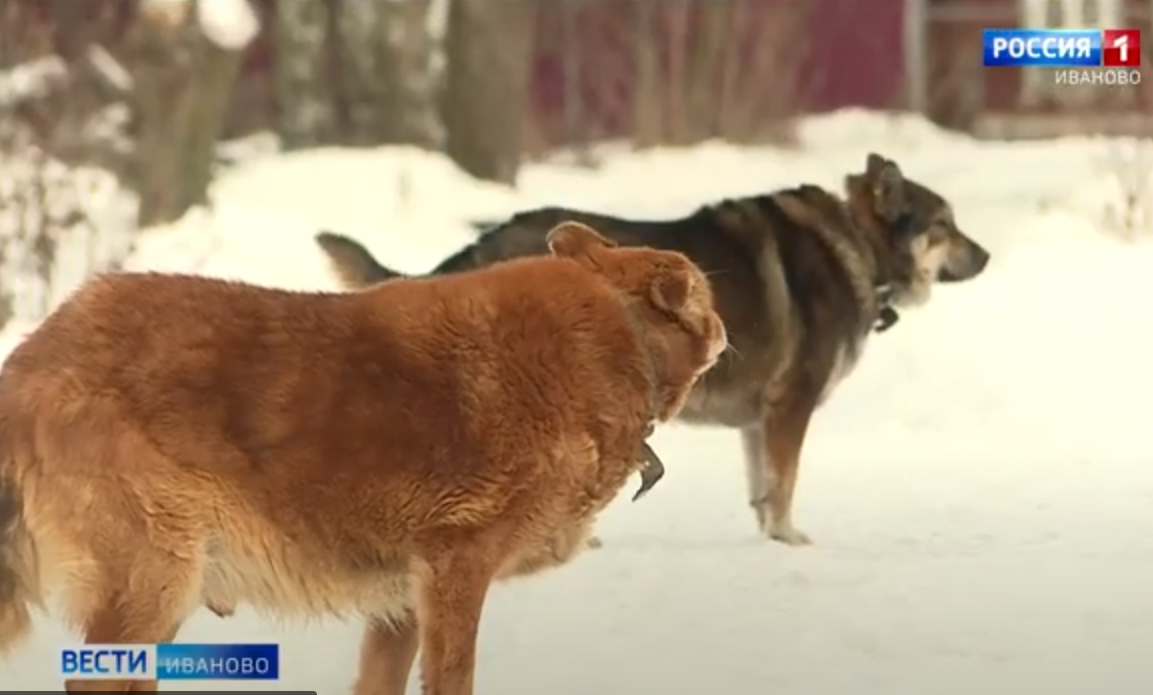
(773, 470)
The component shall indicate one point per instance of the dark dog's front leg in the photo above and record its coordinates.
(772, 457)
(756, 470)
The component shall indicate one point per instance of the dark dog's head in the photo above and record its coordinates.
(919, 239)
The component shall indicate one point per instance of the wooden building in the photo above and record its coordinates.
(782, 58)
(921, 55)
(950, 84)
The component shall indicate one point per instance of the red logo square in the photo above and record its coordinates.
(1121, 48)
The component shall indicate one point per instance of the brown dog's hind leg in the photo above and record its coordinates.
(387, 653)
(784, 436)
(147, 607)
(451, 596)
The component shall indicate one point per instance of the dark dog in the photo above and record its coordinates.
(801, 278)
(169, 441)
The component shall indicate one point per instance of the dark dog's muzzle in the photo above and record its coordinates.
(964, 264)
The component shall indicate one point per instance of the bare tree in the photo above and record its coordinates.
(386, 72)
(648, 125)
(762, 87)
(730, 70)
(185, 57)
(301, 71)
(356, 73)
(703, 80)
(488, 51)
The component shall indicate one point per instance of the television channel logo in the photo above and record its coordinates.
(245, 662)
(1062, 48)
(109, 662)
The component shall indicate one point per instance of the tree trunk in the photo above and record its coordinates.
(675, 21)
(705, 71)
(210, 88)
(385, 55)
(648, 86)
(184, 82)
(408, 104)
(301, 93)
(161, 46)
(358, 48)
(489, 58)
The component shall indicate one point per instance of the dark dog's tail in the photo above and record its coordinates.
(19, 583)
(353, 263)
(482, 226)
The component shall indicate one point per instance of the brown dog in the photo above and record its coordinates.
(167, 441)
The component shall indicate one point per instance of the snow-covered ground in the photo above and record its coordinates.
(980, 491)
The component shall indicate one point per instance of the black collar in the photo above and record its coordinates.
(886, 314)
(654, 468)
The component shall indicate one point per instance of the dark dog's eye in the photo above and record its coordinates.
(941, 230)
(907, 226)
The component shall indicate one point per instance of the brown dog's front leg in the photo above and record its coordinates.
(783, 434)
(451, 597)
(567, 543)
(387, 653)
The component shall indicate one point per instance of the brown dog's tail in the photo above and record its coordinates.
(352, 262)
(19, 585)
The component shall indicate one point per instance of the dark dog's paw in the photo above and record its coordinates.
(788, 534)
(780, 530)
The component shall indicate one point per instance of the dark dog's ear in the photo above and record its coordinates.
(887, 186)
(575, 240)
(874, 163)
(670, 291)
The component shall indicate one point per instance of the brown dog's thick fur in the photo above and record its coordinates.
(168, 441)
(802, 278)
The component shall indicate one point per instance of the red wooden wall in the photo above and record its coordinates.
(851, 53)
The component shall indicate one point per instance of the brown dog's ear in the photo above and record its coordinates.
(887, 186)
(670, 291)
(573, 239)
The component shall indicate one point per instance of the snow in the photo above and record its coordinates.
(230, 24)
(79, 216)
(31, 80)
(980, 490)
